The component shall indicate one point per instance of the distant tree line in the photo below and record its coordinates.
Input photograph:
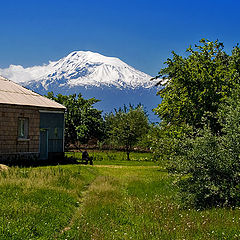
(124, 127)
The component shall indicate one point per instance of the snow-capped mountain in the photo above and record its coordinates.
(93, 75)
(79, 68)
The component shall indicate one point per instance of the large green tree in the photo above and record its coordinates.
(126, 126)
(82, 121)
(199, 131)
(211, 166)
(194, 86)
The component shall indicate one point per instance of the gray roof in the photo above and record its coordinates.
(12, 93)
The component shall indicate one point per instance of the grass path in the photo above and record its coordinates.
(77, 212)
(36, 203)
(126, 202)
(103, 203)
(77, 229)
(98, 183)
(111, 208)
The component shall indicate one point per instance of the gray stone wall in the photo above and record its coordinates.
(10, 144)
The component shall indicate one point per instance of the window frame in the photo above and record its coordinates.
(23, 128)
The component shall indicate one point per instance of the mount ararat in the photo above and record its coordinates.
(93, 75)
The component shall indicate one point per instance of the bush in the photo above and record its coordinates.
(212, 163)
(167, 143)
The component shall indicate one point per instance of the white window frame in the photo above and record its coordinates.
(23, 128)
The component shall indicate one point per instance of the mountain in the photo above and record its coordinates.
(93, 75)
(80, 68)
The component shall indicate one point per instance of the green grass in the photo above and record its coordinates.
(36, 203)
(141, 203)
(117, 158)
(127, 201)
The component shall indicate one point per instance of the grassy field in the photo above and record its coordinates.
(133, 200)
(116, 158)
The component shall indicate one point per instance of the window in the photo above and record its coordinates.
(23, 128)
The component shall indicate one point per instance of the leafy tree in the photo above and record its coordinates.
(82, 121)
(194, 86)
(127, 126)
(200, 128)
(167, 143)
(212, 162)
(193, 89)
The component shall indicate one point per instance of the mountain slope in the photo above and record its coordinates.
(80, 68)
(93, 75)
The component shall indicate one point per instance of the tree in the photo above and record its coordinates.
(200, 127)
(195, 86)
(212, 162)
(167, 143)
(82, 121)
(127, 126)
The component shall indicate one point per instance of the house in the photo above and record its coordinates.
(31, 126)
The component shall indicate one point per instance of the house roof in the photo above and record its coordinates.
(12, 93)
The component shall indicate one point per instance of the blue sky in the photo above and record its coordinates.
(140, 32)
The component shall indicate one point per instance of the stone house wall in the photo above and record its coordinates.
(10, 144)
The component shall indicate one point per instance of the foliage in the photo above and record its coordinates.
(195, 86)
(167, 143)
(127, 126)
(199, 133)
(82, 121)
(212, 163)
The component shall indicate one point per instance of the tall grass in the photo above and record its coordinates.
(141, 203)
(104, 202)
(38, 202)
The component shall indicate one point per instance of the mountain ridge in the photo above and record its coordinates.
(80, 68)
(93, 75)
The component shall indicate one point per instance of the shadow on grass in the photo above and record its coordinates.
(33, 162)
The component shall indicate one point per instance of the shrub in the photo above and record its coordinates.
(167, 143)
(212, 162)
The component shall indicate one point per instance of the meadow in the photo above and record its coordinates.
(113, 199)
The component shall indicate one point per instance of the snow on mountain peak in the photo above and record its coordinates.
(88, 56)
(80, 68)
